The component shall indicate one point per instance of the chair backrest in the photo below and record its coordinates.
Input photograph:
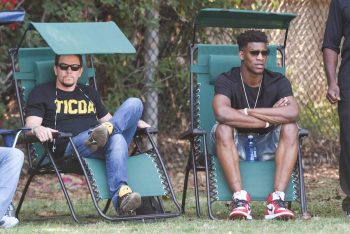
(36, 67)
(212, 60)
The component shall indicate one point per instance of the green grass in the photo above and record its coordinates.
(324, 203)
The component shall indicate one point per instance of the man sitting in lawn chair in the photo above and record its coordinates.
(250, 100)
(66, 106)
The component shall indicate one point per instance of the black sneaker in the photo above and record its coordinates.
(348, 214)
(128, 201)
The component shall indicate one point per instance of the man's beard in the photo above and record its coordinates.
(68, 85)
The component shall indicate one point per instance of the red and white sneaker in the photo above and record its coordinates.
(241, 206)
(276, 209)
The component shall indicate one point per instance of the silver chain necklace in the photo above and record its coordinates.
(245, 94)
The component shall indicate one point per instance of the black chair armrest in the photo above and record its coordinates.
(150, 130)
(303, 132)
(192, 133)
(30, 138)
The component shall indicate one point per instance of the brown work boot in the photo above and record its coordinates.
(99, 136)
(129, 201)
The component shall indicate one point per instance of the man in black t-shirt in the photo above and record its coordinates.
(65, 106)
(250, 100)
(338, 27)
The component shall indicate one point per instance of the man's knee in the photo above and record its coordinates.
(135, 103)
(224, 134)
(289, 132)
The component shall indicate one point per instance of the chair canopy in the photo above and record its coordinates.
(84, 38)
(236, 18)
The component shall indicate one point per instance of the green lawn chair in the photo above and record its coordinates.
(34, 66)
(207, 61)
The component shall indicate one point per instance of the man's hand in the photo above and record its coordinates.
(143, 124)
(43, 134)
(333, 93)
(282, 102)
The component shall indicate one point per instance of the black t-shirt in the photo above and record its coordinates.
(337, 27)
(77, 111)
(274, 87)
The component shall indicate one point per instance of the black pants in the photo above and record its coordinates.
(344, 160)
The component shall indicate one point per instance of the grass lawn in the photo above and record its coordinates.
(323, 196)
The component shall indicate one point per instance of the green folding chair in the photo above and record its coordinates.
(207, 61)
(33, 66)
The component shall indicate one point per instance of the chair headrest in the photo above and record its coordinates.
(218, 64)
(43, 71)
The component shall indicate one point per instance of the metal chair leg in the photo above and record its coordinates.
(107, 206)
(206, 160)
(63, 187)
(184, 191)
(24, 194)
(302, 194)
(195, 182)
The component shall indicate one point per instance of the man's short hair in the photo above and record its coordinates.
(250, 36)
(57, 58)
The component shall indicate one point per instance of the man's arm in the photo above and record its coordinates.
(105, 118)
(42, 133)
(330, 59)
(286, 111)
(225, 114)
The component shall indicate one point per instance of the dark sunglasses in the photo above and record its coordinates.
(256, 53)
(73, 67)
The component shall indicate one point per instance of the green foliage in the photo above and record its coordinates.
(318, 116)
(122, 76)
(320, 119)
(2, 111)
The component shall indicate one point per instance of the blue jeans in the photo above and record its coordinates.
(115, 151)
(11, 161)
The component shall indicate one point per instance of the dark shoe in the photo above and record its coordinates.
(128, 201)
(98, 138)
(347, 214)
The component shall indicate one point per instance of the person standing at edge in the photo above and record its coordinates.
(338, 27)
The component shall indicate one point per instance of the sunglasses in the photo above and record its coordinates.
(73, 67)
(256, 53)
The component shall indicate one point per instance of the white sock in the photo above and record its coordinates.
(240, 195)
(278, 195)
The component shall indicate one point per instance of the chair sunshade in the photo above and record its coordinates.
(84, 38)
(235, 18)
